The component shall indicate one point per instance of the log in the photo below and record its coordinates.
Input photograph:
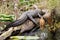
(6, 34)
(28, 25)
(24, 27)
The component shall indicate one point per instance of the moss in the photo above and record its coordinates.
(52, 4)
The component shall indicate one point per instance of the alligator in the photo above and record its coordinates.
(30, 14)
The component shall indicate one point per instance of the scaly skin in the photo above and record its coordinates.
(28, 14)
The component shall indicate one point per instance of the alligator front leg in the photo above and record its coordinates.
(39, 15)
(32, 19)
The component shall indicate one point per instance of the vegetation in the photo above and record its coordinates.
(10, 10)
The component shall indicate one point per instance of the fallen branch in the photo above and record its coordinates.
(24, 27)
(6, 34)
